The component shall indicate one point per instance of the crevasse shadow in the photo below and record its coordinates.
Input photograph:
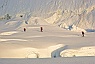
(56, 53)
(90, 30)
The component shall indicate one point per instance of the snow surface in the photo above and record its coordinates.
(54, 42)
(74, 60)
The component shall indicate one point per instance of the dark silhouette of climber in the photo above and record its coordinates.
(82, 34)
(24, 29)
(41, 29)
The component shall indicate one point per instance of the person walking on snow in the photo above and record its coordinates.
(41, 29)
(82, 34)
(24, 29)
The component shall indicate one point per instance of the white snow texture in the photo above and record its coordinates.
(62, 22)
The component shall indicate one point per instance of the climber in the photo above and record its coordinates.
(41, 29)
(24, 29)
(82, 34)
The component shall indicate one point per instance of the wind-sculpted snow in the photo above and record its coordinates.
(84, 51)
(56, 53)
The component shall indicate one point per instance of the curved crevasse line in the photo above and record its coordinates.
(56, 53)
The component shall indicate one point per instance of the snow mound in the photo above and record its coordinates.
(30, 52)
(84, 51)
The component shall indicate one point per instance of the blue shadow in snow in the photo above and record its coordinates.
(90, 30)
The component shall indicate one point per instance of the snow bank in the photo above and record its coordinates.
(30, 52)
(84, 51)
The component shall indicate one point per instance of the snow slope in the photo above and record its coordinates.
(80, 13)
